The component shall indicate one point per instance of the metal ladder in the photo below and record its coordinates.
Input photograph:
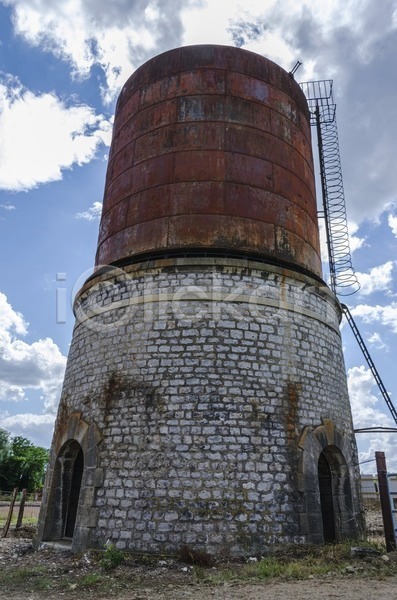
(319, 95)
(370, 362)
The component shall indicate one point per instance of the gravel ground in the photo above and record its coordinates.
(56, 575)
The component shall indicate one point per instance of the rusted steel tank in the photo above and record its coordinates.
(211, 152)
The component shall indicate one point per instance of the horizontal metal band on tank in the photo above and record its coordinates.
(213, 297)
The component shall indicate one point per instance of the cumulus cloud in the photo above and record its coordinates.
(116, 36)
(44, 135)
(378, 279)
(323, 242)
(369, 410)
(333, 39)
(8, 206)
(376, 341)
(23, 367)
(369, 443)
(364, 400)
(37, 428)
(368, 406)
(11, 320)
(385, 315)
(92, 214)
(355, 241)
(244, 31)
(392, 221)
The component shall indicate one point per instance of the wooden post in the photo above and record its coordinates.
(21, 509)
(385, 501)
(10, 511)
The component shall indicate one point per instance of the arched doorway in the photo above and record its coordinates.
(326, 499)
(72, 436)
(72, 475)
(335, 495)
(327, 479)
(65, 492)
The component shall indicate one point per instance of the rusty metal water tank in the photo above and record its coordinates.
(211, 151)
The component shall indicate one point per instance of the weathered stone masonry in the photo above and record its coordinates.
(201, 379)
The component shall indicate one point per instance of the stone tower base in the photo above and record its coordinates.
(204, 404)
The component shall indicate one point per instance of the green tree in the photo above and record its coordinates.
(22, 464)
(5, 450)
(5, 445)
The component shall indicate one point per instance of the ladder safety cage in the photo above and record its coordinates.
(343, 279)
(319, 95)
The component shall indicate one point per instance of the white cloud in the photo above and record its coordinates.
(369, 410)
(355, 242)
(392, 221)
(333, 39)
(37, 428)
(369, 443)
(8, 206)
(44, 135)
(376, 341)
(23, 367)
(323, 242)
(364, 400)
(378, 279)
(92, 214)
(117, 36)
(385, 315)
(11, 319)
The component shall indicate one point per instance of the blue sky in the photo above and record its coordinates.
(62, 65)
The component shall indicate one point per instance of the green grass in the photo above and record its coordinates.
(42, 583)
(272, 568)
(38, 579)
(25, 521)
(304, 562)
(23, 575)
(286, 563)
(90, 580)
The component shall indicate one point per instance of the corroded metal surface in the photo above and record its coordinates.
(211, 149)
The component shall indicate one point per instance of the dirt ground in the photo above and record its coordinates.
(56, 575)
(297, 590)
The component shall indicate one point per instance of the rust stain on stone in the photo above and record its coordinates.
(111, 390)
(293, 394)
(118, 385)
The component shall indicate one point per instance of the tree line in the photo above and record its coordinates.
(22, 464)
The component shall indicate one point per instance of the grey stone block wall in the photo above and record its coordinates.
(201, 376)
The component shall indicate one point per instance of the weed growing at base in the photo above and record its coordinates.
(112, 557)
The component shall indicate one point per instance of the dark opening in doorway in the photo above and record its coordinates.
(326, 499)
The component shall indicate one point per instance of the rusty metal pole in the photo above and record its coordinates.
(385, 501)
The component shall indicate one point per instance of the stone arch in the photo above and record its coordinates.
(325, 478)
(68, 511)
